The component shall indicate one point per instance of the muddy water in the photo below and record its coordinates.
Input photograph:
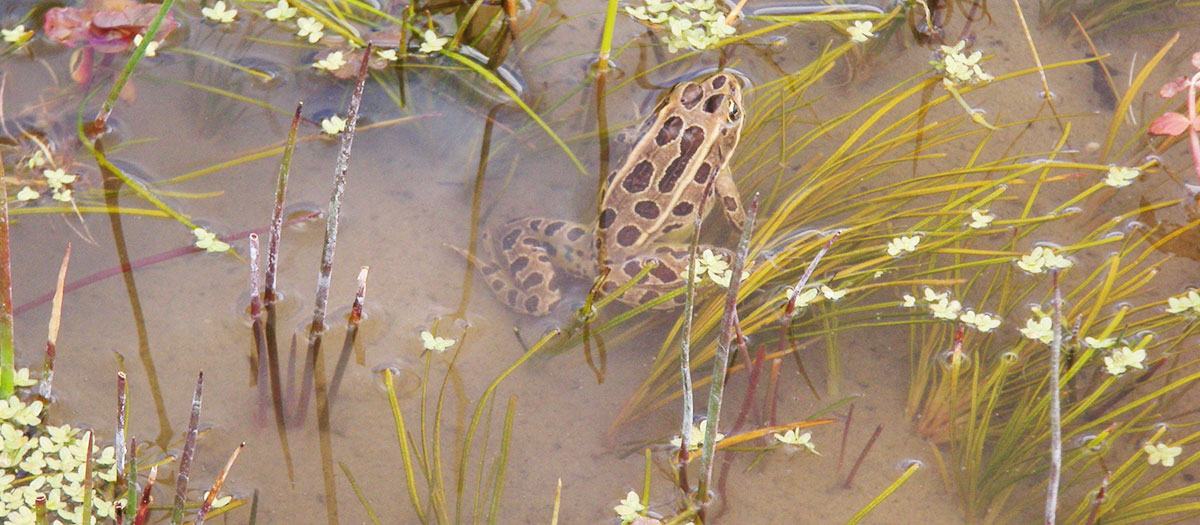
(408, 200)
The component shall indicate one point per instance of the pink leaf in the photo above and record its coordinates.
(1169, 124)
(1173, 87)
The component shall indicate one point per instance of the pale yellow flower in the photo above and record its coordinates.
(806, 297)
(903, 244)
(981, 219)
(433, 43)
(27, 194)
(282, 11)
(796, 439)
(387, 54)
(309, 27)
(1119, 177)
(1040, 330)
(219, 13)
(435, 344)
(332, 62)
(1124, 358)
(1183, 303)
(151, 48)
(17, 35)
(630, 508)
(1161, 453)
(206, 240)
(333, 125)
(860, 31)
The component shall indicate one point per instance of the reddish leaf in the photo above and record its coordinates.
(1169, 124)
(1173, 87)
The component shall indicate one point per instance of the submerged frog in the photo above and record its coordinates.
(649, 208)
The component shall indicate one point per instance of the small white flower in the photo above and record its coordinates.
(798, 440)
(37, 160)
(218, 13)
(58, 178)
(696, 437)
(433, 43)
(1119, 176)
(62, 195)
(630, 508)
(903, 244)
(1123, 358)
(1183, 303)
(932, 297)
(16, 35)
(282, 11)
(860, 31)
(981, 219)
(722, 278)
(805, 299)
(1099, 344)
(27, 194)
(311, 28)
(1042, 259)
(206, 240)
(219, 501)
(982, 322)
(333, 125)
(387, 54)
(1040, 330)
(832, 294)
(946, 309)
(332, 62)
(151, 48)
(711, 262)
(909, 301)
(22, 378)
(1161, 453)
(433, 343)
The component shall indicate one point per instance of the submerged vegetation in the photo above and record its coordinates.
(1027, 289)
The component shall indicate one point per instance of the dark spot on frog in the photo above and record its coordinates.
(646, 209)
(510, 239)
(718, 82)
(713, 103)
(628, 235)
(606, 219)
(664, 274)
(731, 203)
(632, 268)
(534, 279)
(518, 264)
(702, 173)
(554, 227)
(639, 177)
(669, 131)
(691, 95)
(575, 234)
(531, 303)
(682, 209)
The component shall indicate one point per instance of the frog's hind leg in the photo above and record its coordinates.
(525, 268)
(668, 275)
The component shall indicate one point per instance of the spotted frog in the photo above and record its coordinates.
(649, 208)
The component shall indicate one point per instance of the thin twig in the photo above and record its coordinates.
(1055, 407)
(46, 385)
(861, 456)
(216, 486)
(721, 360)
(185, 457)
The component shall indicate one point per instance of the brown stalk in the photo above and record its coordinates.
(143, 510)
(45, 386)
(216, 486)
(351, 334)
(185, 457)
(861, 456)
(845, 436)
(119, 434)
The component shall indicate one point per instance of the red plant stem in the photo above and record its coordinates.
(845, 436)
(861, 456)
(143, 262)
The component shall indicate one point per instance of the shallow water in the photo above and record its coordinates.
(409, 200)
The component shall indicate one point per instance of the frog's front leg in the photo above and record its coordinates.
(529, 259)
(669, 274)
(729, 199)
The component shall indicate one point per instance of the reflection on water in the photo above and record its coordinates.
(204, 124)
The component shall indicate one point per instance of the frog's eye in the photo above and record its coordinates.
(735, 112)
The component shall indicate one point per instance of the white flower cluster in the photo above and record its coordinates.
(696, 437)
(1042, 259)
(698, 24)
(1123, 358)
(942, 307)
(47, 461)
(1186, 303)
(58, 180)
(717, 269)
(959, 69)
(1119, 177)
